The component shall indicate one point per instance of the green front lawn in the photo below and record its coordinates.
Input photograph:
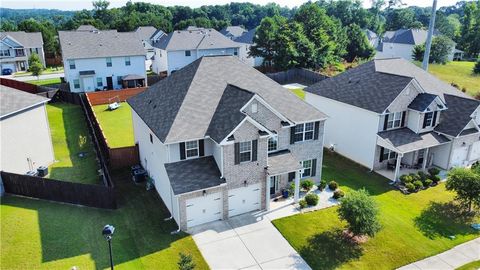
(45, 81)
(48, 70)
(37, 234)
(414, 226)
(117, 125)
(70, 138)
(471, 266)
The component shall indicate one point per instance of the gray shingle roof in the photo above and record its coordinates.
(13, 100)
(282, 162)
(108, 43)
(182, 106)
(405, 140)
(407, 36)
(246, 37)
(145, 32)
(201, 38)
(362, 87)
(228, 115)
(28, 40)
(422, 101)
(457, 116)
(194, 174)
(86, 27)
(234, 31)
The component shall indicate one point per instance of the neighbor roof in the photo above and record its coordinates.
(234, 31)
(108, 43)
(28, 40)
(422, 101)
(193, 174)
(198, 38)
(145, 32)
(182, 106)
(247, 37)
(86, 27)
(13, 100)
(370, 34)
(458, 115)
(405, 140)
(407, 36)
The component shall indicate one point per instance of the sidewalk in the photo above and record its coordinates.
(450, 259)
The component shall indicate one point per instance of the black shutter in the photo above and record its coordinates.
(201, 148)
(182, 151)
(316, 129)
(434, 121)
(254, 150)
(314, 167)
(292, 135)
(382, 151)
(404, 115)
(424, 120)
(385, 122)
(291, 176)
(237, 153)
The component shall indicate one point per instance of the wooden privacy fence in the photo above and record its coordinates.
(48, 189)
(297, 75)
(123, 156)
(23, 86)
(110, 96)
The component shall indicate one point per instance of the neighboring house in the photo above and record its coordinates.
(181, 47)
(372, 37)
(388, 114)
(145, 34)
(102, 59)
(233, 32)
(26, 143)
(219, 139)
(246, 40)
(400, 43)
(16, 48)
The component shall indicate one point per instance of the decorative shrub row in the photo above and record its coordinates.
(416, 181)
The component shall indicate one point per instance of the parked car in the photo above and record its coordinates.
(7, 71)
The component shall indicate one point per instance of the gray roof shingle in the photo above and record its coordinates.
(246, 37)
(234, 31)
(422, 101)
(282, 162)
(145, 32)
(13, 100)
(194, 174)
(198, 38)
(405, 140)
(407, 36)
(28, 40)
(457, 116)
(108, 43)
(86, 27)
(182, 106)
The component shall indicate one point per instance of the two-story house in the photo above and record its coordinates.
(391, 115)
(102, 60)
(144, 34)
(181, 47)
(245, 39)
(219, 139)
(16, 48)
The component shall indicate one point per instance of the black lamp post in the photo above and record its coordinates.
(107, 232)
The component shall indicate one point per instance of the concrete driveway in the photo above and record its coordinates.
(248, 241)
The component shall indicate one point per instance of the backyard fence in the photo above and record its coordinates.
(152, 79)
(22, 86)
(110, 96)
(61, 191)
(297, 75)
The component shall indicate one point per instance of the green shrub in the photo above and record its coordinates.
(476, 68)
(185, 262)
(406, 179)
(306, 184)
(435, 178)
(291, 188)
(332, 185)
(311, 199)
(423, 176)
(338, 194)
(410, 187)
(415, 177)
(302, 204)
(322, 185)
(433, 171)
(418, 184)
(428, 182)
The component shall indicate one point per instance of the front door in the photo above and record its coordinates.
(421, 156)
(273, 184)
(109, 83)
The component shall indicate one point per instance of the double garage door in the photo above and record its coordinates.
(244, 199)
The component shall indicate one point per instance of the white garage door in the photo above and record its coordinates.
(459, 156)
(244, 199)
(475, 154)
(204, 209)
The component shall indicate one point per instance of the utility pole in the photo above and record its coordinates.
(428, 44)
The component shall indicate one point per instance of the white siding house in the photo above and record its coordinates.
(16, 48)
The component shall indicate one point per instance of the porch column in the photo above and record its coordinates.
(267, 193)
(296, 194)
(425, 159)
(397, 167)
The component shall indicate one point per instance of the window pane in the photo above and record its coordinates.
(299, 128)
(396, 123)
(306, 172)
(307, 164)
(245, 146)
(298, 137)
(244, 156)
(191, 144)
(309, 127)
(308, 135)
(272, 144)
(192, 153)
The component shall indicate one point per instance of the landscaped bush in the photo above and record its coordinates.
(306, 184)
(311, 199)
(433, 171)
(418, 184)
(428, 182)
(423, 176)
(410, 187)
(435, 178)
(322, 185)
(406, 179)
(338, 194)
(291, 188)
(333, 185)
(302, 204)
(415, 177)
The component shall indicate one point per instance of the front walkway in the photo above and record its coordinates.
(450, 259)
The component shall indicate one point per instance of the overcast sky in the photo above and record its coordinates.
(78, 5)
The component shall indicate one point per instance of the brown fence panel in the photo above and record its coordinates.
(105, 97)
(23, 86)
(123, 156)
(296, 75)
(60, 191)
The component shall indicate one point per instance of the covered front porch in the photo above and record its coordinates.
(403, 151)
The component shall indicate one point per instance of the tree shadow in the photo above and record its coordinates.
(329, 250)
(444, 220)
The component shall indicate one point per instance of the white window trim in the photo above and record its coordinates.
(78, 83)
(268, 144)
(431, 119)
(254, 107)
(311, 166)
(127, 60)
(240, 152)
(192, 148)
(303, 132)
(392, 120)
(108, 62)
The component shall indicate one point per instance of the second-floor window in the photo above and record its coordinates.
(191, 149)
(4, 52)
(19, 52)
(272, 144)
(394, 120)
(71, 64)
(430, 119)
(235, 51)
(188, 53)
(245, 151)
(109, 61)
(304, 132)
(127, 61)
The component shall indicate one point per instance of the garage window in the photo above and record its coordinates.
(191, 149)
(245, 151)
(76, 84)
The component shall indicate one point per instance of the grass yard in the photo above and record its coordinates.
(117, 125)
(45, 81)
(37, 234)
(70, 138)
(471, 266)
(414, 226)
(299, 92)
(48, 70)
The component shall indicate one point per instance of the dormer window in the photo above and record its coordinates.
(429, 119)
(191, 149)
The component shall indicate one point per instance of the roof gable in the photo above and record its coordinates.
(13, 100)
(27, 40)
(197, 38)
(458, 115)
